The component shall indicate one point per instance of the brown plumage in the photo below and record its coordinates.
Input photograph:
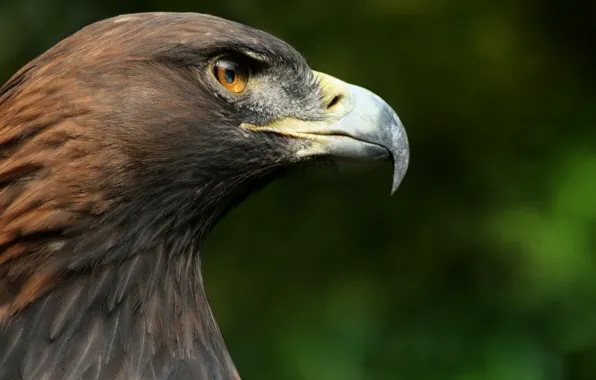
(118, 151)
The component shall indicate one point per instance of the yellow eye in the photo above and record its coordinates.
(232, 75)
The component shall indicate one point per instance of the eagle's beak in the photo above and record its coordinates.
(361, 125)
(357, 125)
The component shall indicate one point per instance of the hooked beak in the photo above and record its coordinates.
(359, 125)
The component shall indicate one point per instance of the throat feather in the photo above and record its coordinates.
(145, 318)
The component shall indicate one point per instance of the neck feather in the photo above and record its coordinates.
(119, 295)
(146, 318)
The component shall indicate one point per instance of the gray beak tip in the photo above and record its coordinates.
(394, 187)
(400, 152)
(400, 166)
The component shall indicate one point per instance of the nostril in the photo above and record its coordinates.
(336, 99)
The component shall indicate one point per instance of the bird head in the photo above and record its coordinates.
(169, 120)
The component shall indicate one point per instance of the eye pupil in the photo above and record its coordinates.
(230, 75)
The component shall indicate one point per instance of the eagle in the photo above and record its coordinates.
(120, 148)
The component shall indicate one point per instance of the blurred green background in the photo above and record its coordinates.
(482, 266)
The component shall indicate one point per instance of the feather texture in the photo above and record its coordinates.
(117, 157)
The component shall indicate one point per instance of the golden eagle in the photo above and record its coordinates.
(120, 147)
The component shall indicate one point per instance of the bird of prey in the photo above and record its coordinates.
(120, 147)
